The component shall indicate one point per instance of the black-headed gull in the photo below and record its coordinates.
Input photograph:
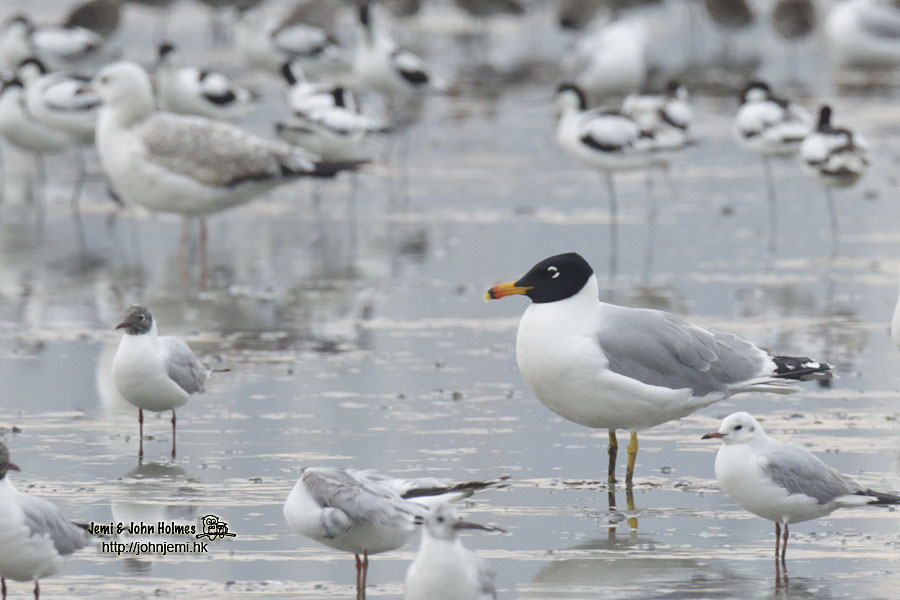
(769, 127)
(35, 537)
(443, 568)
(189, 90)
(836, 156)
(154, 372)
(613, 367)
(366, 513)
(782, 482)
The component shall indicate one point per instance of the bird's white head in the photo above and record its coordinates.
(444, 523)
(738, 428)
(125, 87)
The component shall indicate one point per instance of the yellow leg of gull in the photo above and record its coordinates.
(629, 499)
(613, 451)
(632, 455)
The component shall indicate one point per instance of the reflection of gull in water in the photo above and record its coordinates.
(152, 493)
(635, 566)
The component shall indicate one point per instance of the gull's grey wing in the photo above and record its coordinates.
(799, 472)
(487, 589)
(360, 498)
(43, 518)
(879, 20)
(182, 365)
(658, 348)
(218, 154)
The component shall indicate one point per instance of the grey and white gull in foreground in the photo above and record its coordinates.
(443, 568)
(366, 513)
(782, 482)
(153, 372)
(35, 537)
(613, 367)
(188, 165)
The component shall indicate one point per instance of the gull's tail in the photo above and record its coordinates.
(801, 368)
(879, 498)
(454, 491)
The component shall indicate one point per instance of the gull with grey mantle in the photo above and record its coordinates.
(35, 537)
(613, 367)
(154, 372)
(188, 165)
(366, 513)
(782, 482)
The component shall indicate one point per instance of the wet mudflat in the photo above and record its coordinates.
(359, 338)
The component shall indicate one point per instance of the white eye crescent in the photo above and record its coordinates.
(553, 271)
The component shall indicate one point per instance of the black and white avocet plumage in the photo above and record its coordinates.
(769, 127)
(326, 119)
(382, 65)
(609, 141)
(670, 110)
(268, 42)
(60, 48)
(836, 156)
(193, 91)
(61, 100)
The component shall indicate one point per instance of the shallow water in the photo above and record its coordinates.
(365, 342)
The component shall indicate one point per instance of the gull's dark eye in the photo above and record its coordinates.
(553, 272)
(738, 427)
(140, 317)
(104, 80)
(440, 519)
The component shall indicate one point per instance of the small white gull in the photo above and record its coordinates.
(613, 367)
(366, 513)
(190, 90)
(836, 156)
(35, 536)
(443, 568)
(153, 372)
(782, 482)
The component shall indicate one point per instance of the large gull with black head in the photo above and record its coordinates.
(613, 367)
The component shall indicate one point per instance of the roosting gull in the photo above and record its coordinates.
(443, 568)
(188, 165)
(35, 537)
(366, 513)
(154, 372)
(782, 482)
(614, 367)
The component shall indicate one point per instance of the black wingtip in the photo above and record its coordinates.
(801, 368)
(880, 498)
(332, 168)
(469, 486)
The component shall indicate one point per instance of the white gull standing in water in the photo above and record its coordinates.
(443, 568)
(782, 482)
(366, 513)
(613, 367)
(770, 127)
(836, 156)
(188, 165)
(35, 537)
(153, 372)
